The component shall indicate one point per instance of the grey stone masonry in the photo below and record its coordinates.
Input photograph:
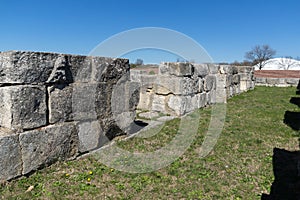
(57, 106)
(277, 82)
(180, 88)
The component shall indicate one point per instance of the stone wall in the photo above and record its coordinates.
(57, 106)
(180, 88)
(277, 82)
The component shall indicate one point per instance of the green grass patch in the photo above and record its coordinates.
(239, 167)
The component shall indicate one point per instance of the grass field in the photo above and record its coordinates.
(239, 167)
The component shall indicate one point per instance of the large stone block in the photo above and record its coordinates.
(229, 80)
(245, 77)
(272, 81)
(125, 96)
(90, 101)
(246, 85)
(60, 103)
(261, 80)
(245, 69)
(72, 102)
(10, 156)
(146, 99)
(44, 146)
(159, 102)
(176, 69)
(176, 85)
(236, 79)
(228, 69)
(201, 85)
(80, 69)
(31, 67)
(210, 82)
(213, 68)
(292, 81)
(22, 107)
(180, 105)
(91, 136)
(38, 67)
(110, 70)
(202, 100)
(201, 70)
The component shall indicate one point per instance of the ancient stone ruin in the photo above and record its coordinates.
(58, 106)
(180, 88)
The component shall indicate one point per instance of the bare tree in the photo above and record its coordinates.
(139, 62)
(287, 62)
(260, 54)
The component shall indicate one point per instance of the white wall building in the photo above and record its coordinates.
(280, 64)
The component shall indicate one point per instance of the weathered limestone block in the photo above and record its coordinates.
(229, 80)
(243, 86)
(246, 85)
(146, 99)
(245, 69)
(201, 70)
(124, 101)
(177, 69)
(110, 70)
(39, 67)
(221, 81)
(125, 96)
(10, 156)
(188, 105)
(30, 67)
(261, 80)
(22, 107)
(73, 102)
(213, 68)
(229, 91)
(158, 103)
(44, 146)
(79, 69)
(220, 96)
(272, 81)
(91, 136)
(236, 79)
(201, 100)
(292, 81)
(200, 85)
(208, 98)
(210, 82)
(60, 103)
(194, 103)
(179, 104)
(237, 89)
(81, 101)
(245, 77)
(228, 69)
(176, 85)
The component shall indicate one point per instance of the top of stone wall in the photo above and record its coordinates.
(25, 67)
(186, 69)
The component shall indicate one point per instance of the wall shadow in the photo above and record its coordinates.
(292, 119)
(286, 164)
(295, 100)
(286, 168)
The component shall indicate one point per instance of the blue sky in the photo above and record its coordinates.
(226, 29)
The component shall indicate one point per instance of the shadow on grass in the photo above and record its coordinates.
(298, 89)
(286, 164)
(287, 178)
